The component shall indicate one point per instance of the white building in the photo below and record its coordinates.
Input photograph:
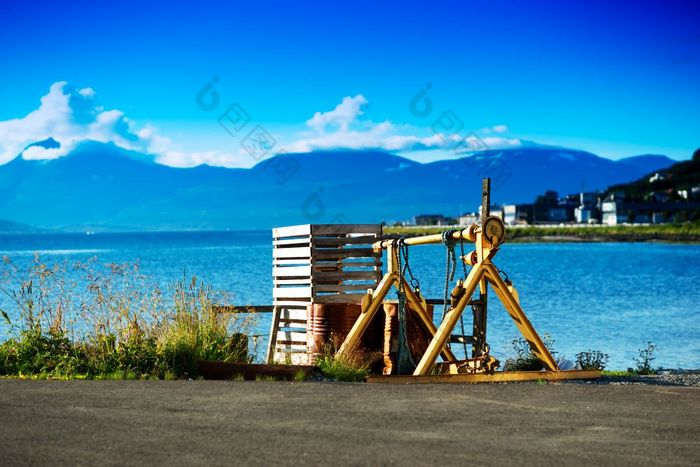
(510, 214)
(583, 214)
(610, 214)
(468, 219)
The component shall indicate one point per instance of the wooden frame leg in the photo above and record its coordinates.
(445, 330)
(516, 312)
(272, 342)
(422, 313)
(360, 326)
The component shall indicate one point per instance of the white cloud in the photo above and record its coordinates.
(342, 116)
(494, 129)
(342, 128)
(70, 115)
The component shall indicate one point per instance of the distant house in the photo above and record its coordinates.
(657, 177)
(510, 214)
(616, 211)
(611, 212)
(586, 210)
(583, 214)
(495, 210)
(468, 218)
(431, 219)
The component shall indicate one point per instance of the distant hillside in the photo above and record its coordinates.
(680, 176)
(102, 187)
(15, 227)
(648, 162)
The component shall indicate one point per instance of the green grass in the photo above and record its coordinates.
(339, 370)
(354, 365)
(620, 373)
(120, 327)
(689, 232)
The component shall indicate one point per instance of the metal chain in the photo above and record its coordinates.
(404, 360)
(461, 317)
(450, 266)
(403, 250)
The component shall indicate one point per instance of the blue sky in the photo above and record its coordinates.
(616, 80)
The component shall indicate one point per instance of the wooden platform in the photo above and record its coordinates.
(498, 377)
(317, 263)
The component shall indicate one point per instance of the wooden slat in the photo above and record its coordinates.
(291, 305)
(292, 343)
(291, 347)
(291, 271)
(340, 241)
(341, 288)
(292, 241)
(299, 337)
(291, 231)
(297, 252)
(290, 262)
(296, 314)
(322, 276)
(346, 264)
(303, 281)
(291, 292)
(339, 298)
(327, 254)
(327, 229)
(292, 325)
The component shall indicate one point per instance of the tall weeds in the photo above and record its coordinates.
(98, 320)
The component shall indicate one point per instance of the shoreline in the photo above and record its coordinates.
(666, 233)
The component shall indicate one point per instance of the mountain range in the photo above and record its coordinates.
(100, 186)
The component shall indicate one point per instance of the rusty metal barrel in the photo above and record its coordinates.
(328, 324)
(418, 336)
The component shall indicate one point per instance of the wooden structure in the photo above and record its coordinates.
(317, 263)
(487, 237)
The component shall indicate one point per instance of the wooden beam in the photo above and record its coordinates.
(360, 326)
(302, 252)
(334, 229)
(448, 323)
(518, 315)
(498, 377)
(427, 322)
(292, 231)
(291, 271)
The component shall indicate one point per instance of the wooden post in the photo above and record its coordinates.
(479, 310)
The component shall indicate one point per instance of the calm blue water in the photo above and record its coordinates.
(612, 297)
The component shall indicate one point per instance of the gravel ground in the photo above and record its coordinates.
(663, 378)
(284, 423)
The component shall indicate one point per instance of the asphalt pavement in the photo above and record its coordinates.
(284, 423)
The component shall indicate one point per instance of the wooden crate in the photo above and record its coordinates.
(317, 263)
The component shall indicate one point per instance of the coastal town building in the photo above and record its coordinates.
(468, 219)
(431, 219)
